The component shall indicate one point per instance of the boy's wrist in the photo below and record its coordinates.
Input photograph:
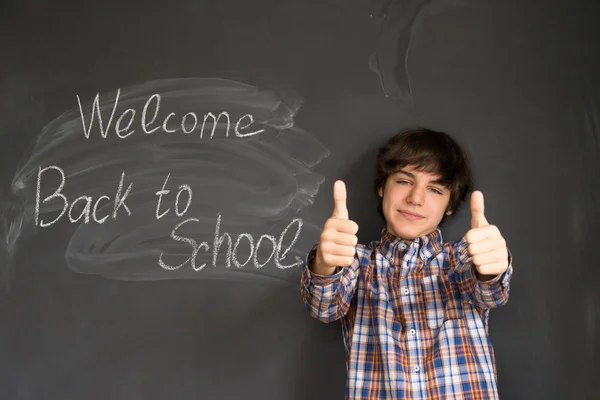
(483, 278)
(319, 267)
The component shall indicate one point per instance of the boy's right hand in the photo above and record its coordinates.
(338, 239)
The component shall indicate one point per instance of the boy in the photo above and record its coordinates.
(414, 309)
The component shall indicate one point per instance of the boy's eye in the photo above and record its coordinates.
(405, 182)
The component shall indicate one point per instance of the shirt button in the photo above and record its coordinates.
(417, 369)
(406, 291)
(412, 332)
(403, 246)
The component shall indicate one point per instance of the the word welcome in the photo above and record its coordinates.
(188, 122)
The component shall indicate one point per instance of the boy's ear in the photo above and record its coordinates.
(380, 191)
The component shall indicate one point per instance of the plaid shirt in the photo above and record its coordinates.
(414, 319)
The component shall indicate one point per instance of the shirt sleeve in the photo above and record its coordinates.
(328, 297)
(483, 294)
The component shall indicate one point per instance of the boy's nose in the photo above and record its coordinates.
(416, 197)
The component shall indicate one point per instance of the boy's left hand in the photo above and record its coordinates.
(486, 244)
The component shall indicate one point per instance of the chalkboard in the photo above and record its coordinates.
(167, 166)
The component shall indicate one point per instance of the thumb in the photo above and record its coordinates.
(477, 210)
(340, 210)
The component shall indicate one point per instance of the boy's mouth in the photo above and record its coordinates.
(411, 216)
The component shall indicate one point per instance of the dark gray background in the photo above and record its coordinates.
(516, 83)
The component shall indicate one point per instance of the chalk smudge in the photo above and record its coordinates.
(256, 184)
(399, 21)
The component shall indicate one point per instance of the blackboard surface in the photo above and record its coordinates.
(138, 138)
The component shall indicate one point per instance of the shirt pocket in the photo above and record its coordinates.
(451, 297)
(433, 301)
(441, 299)
(378, 291)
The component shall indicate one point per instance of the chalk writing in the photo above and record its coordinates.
(86, 201)
(231, 255)
(128, 117)
(90, 209)
(163, 191)
(111, 163)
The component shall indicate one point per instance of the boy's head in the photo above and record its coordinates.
(422, 177)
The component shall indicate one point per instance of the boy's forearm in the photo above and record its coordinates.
(320, 294)
(483, 291)
(327, 292)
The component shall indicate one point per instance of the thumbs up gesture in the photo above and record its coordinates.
(486, 244)
(338, 239)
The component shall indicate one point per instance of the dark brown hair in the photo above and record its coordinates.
(427, 151)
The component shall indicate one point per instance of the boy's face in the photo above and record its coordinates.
(414, 203)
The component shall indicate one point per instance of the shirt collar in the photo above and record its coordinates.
(426, 245)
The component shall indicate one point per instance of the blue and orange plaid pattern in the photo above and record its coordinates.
(414, 319)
